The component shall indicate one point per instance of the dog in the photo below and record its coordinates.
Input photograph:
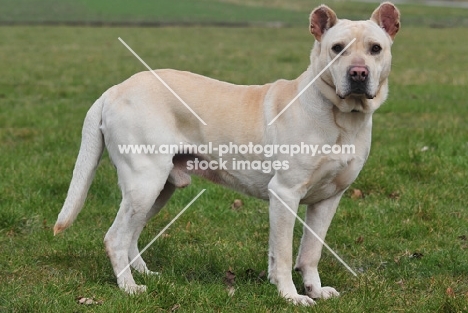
(335, 110)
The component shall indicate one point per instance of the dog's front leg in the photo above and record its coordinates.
(318, 218)
(280, 244)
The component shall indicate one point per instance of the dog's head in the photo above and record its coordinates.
(357, 79)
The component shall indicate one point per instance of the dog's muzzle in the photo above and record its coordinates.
(358, 82)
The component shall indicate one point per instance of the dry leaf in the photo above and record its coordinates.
(401, 283)
(229, 278)
(417, 255)
(449, 292)
(262, 275)
(394, 195)
(236, 204)
(175, 307)
(359, 240)
(464, 244)
(88, 301)
(357, 194)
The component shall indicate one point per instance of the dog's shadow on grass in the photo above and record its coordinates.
(90, 266)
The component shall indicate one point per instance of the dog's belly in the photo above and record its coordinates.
(232, 173)
(332, 177)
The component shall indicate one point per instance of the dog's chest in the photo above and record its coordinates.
(332, 176)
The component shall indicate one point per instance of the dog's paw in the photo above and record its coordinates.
(151, 273)
(300, 300)
(329, 292)
(322, 293)
(134, 289)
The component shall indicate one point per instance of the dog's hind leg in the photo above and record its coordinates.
(141, 181)
(133, 253)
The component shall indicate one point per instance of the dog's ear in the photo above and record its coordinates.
(321, 19)
(387, 16)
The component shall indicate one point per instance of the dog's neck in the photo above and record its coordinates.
(345, 113)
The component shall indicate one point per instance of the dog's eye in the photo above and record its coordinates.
(376, 49)
(337, 48)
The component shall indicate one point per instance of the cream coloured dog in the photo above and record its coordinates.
(335, 110)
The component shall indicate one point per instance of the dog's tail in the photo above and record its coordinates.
(92, 146)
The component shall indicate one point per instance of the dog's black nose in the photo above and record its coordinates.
(358, 73)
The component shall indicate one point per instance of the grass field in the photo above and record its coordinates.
(407, 238)
(207, 12)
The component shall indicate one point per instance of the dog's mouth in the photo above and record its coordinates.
(356, 86)
(356, 90)
(355, 94)
(353, 90)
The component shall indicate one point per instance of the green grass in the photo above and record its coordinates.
(228, 12)
(415, 201)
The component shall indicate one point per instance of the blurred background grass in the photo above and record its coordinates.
(213, 12)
